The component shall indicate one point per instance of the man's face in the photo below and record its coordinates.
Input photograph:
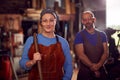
(88, 20)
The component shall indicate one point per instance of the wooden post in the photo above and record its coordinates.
(67, 7)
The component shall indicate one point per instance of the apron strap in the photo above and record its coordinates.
(57, 38)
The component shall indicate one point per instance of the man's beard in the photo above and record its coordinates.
(89, 26)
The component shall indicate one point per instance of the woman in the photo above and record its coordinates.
(54, 52)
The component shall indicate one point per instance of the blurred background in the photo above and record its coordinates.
(18, 18)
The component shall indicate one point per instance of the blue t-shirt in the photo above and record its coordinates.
(68, 69)
(92, 38)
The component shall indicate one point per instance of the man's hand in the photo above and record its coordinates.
(95, 67)
(97, 74)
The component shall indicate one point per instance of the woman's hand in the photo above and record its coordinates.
(37, 56)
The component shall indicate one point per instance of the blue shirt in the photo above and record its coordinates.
(68, 69)
(92, 38)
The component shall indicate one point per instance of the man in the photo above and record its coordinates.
(91, 49)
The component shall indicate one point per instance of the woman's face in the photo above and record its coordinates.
(48, 23)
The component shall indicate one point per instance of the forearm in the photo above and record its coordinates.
(103, 59)
(81, 55)
(30, 63)
(68, 71)
(97, 66)
(85, 60)
(68, 67)
(105, 55)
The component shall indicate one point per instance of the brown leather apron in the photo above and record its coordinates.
(51, 64)
(94, 53)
